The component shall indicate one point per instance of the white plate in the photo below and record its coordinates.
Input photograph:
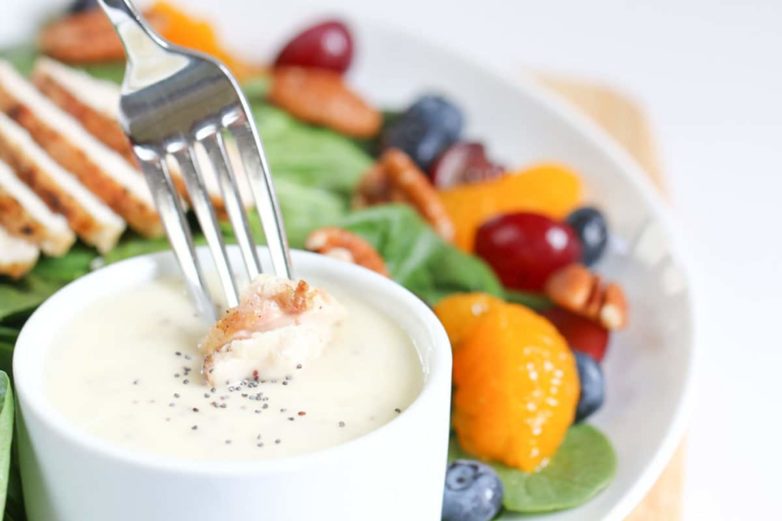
(649, 365)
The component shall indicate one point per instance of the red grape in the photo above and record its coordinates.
(581, 334)
(462, 163)
(327, 45)
(525, 248)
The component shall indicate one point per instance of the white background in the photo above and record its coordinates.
(709, 74)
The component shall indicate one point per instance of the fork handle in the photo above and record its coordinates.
(147, 53)
(127, 22)
(119, 10)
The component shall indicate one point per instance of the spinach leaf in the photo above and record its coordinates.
(6, 433)
(6, 355)
(7, 340)
(133, 245)
(417, 257)
(256, 87)
(49, 275)
(303, 208)
(66, 268)
(306, 208)
(583, 466)
(112, 71)
(22, 57)
(8, 334)
(14, 501)
(21, 297)
(534, 301)
(308, 155)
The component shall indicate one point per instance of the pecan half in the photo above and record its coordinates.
(344, 245)
(396, 178)
(577, 289)
(85, 37)
(321, 97)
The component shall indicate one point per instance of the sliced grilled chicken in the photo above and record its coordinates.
(95, 104)
(24, 215)
(17, 256)
(92, 220)
(99, 168)
(92, 102)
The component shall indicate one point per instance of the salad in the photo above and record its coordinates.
(507, 256)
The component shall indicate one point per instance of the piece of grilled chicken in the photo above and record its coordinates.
(278, 326)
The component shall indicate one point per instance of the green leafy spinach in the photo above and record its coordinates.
(308, 155)
(50, 274)
(417, 257)
(6, 433)
(583, 466)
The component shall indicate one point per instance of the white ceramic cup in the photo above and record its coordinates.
(393, 473)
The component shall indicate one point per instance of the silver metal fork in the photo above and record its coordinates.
(173, 99)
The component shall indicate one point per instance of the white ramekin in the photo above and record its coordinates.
(393, 473)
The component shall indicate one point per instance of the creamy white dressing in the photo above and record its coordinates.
(127, 370)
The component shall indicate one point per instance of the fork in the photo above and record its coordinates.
(172, 101)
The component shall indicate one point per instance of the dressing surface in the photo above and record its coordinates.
(128, 371)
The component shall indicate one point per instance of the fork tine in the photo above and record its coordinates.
(185, 156)
(214, 145)
(169, 207)
(257, 170)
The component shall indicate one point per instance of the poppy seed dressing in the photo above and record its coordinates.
(129, 347)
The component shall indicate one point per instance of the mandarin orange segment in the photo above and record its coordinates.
(197, 34)
(460, 312)
(516, 388)
(550, 189)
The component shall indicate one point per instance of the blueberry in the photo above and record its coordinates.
(473, 492)
(83, 5)
(590, 226)
(592, 386)
(425, 129)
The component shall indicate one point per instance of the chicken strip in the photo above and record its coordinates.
(278, 326)
(92, 102)
(24, 215)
